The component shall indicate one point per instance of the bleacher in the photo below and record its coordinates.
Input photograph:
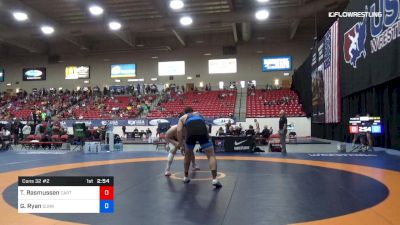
(269, 103)
(209, 103)
(91, 110)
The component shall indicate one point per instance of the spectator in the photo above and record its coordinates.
(257, 126)
(220, 132)
(228, 125)
(265, 132)
(250, 131)
(26, 130)
(148, 133)
(37, 128)
(124, 130)
(15, 131)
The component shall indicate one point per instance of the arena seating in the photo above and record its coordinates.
(78, 105)
(20, 106)
(268, 103)
(209, 103)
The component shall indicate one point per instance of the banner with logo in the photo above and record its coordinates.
(233, 143)
(141, 122)
(370, 45)
(34, 74)
(325, 78)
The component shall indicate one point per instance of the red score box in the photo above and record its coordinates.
(106, 192)
(354, 130)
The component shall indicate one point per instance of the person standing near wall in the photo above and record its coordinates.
(283, 130)
(257, 126)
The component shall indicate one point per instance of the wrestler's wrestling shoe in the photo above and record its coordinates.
(216, 183)
(195, 168)
(186, 180)
(167, 173)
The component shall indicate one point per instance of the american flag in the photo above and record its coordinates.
(331, 75)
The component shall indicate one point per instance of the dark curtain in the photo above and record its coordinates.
(382, 100)
(301, 83)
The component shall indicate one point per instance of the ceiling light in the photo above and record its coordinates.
(262, 1)
(86, 81)
(176, 4)
(186, 20)
(47, 30)
(189, 78)
(9, 84)
(153, 79)
(262, 14)
(117, 81)
(207, 54)
(114, 25)
(20, 16)
(154, 57)
(286, 74)
(96, 10)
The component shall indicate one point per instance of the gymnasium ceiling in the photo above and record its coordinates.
(153, 25)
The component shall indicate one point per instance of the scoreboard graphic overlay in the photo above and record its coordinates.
(41, 194)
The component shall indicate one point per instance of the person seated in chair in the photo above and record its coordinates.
(265, 133)
(250, 131)
(220, 132)
(5, 139)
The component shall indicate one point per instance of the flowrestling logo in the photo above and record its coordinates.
(354, 14)
(384, 28)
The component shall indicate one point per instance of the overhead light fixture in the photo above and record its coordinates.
(47, 30)
(114, 25)
(60, 88)
(207, 54)
(86, 82)
(9, 84)
(276, 82)
(117, 81)
(186, 20)
(189, 78)
(153, 79)
(262, 14)
(262, 1)
(154, 57)
(20, 16)
(96, 10)
(286, 74)
(176, 4)
(78, 88)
